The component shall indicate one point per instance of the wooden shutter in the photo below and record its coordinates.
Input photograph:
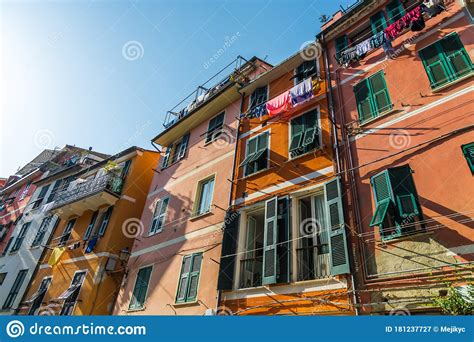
(458, 60)
(141, 287)
(105, 221)
(435, 66)
(378, 22)
(194, 273)
(184, 279)
(269, 242)
(183, 147)
(166, 158)
(380, 96)
(91, 225)
(284, 246)
(381, 187)
(363, 99)
(229, 248)
(404, 191)
(337, 233)
(395, 11)
(468, 151)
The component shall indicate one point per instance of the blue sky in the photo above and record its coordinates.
(65, 78)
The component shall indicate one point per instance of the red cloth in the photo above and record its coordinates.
(279, 104)
(394, 30)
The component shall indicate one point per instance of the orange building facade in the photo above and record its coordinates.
(284, 249)
(82, 268)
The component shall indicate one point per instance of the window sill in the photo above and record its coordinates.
(195, 216)
(404, 237)
(192, 303)
(381, 115)
(154, 233)
(143, 308)
(449, 84)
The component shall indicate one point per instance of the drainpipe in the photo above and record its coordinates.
(329, 93)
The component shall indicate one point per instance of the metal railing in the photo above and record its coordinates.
(109, 182)
(251, 272)
(205, 91)
(312, 264)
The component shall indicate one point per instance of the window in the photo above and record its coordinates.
(5, 251)
(67, 232)
(14, 290)
(398, 210)
(175, 152)
(91, 226)
(56, 186)
(189, 278)
(256, 155)
(372, 97)
(446, 60)
(304, 133)
(259, 96)
(215, 127)
(21, 236)
(141, 288)
(37, 298)
(105, 221)
(378, 22)
(159, 216)
(204, 195)
(341, 44)
(25, 191)
(2, 277)
(41, 197)
(251, 265)
(41, 231)
(72, 293)
(395, 11)
(468, 151)
(305, 70)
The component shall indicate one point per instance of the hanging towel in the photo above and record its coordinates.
(301, 92)
(91, 244)
(279, 104)
(56, 255)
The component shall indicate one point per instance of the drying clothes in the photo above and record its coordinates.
(56, 255)
(316, 85)
(418, 24)
(394, 30)
(257, 111)
(347, 56)
(432, 7)
(377, 40)
(363, 47)
(91, 244)
(75, 245)
(387, 47)
(301, 92)
(279, 104)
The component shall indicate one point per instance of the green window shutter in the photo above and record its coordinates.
(364, 100)
(341, 44)
(404, 191)
(337, 232)
(166, 158)
(141, 288)
(435, 66)
(378, 22)
(380, 213)
(194, 278)
(381, 187)
(297, 132)
(380, 96)
(395, 11)
(456, 56)
(269, 242)
(468, 151)
(189, 278)
(183, 147)
(184, 279)
(257, 149)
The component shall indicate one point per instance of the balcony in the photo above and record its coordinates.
(251, 272)
(88, 195)
(312, 264)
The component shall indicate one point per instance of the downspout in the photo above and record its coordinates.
(329, 92)
(219, 292)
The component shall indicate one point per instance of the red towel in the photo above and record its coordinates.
(279, 104)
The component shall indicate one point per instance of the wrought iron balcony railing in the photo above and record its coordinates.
(312, 264)
(109, 182)
(251, 272)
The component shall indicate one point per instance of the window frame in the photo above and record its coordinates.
(67, 232)
(470, 160)
(142, 306)
(152, 231)
(210, 134)
(106, 217)
(68, 304)
(15, 289)
(198, 194)
(250, 107)
(39, 236)
(320, 138)
(20, 237)
(247, 142)
(187, 300)
(297, 79)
